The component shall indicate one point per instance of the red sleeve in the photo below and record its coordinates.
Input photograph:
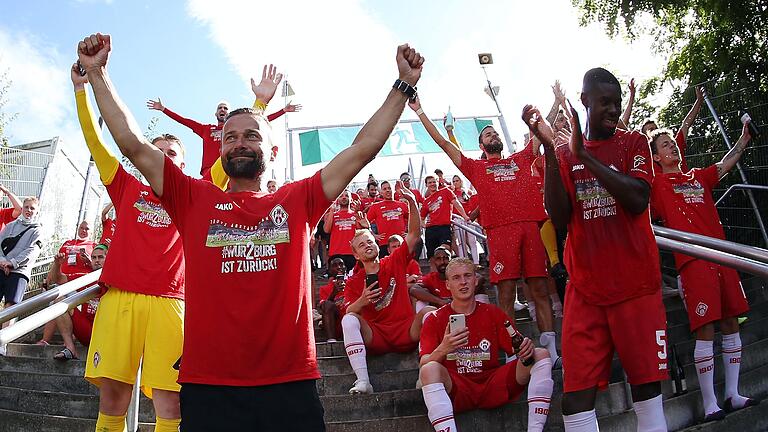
(6, 216)
(505, 342)
(639, 158)
(314, 197)
(424, 210)
(430, 335)
(401, 256)
(708, 176)
(413, 268)
(657, 204)
(406, 211)
(119, 182)
(354, 287)
(373, 213)
(276, 114)
(419, 197)
(468, 168)
(196, 127)
(565, 171)
(177, 196)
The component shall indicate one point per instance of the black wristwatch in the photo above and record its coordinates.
(406, 88)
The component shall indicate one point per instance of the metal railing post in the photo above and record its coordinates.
(132, 416)
(751, 197)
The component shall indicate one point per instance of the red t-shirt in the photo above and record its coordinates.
(684, 201)
(327, 289)
(366, 202)
(390, 217)
(73, 265)
(146, 255)
(604, 239)
(413, 268)
(435, 285)
(682, 144)
(107, 232)
(342, 232)
(472, 204)
(487, 336)
(6, 217)
(394, 304)
(211, 135)
(248, 249)
(438, 207)
(507, 190)
(419, 198)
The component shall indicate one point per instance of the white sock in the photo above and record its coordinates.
(549, 341)
(483, 298)
(705, 369)
(732, 363)
(650, 415)
(420, 305)
(532, 310)
(439, 407)
(585, 421)
(539, 394)
(556, 303)
(353, 344)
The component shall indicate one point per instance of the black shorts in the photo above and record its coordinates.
(287, 407)
(349, 260)
(435, 236)
(12, 287)
(383, 250)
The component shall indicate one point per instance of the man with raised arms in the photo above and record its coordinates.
(599, 186)
(683, 200)
(380, 316)
(459, 368)
(144, 276)
(249, 247)
(511, 207)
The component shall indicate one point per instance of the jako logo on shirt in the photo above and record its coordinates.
(577, 167)
(224, 206)
(639, 160)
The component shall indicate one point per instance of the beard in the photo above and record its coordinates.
(245, 169)
(494, 147)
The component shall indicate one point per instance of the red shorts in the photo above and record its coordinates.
(516, 250)
(391, 337)
(712, 292)
(82, 325)
(635, 328)
(496, 389)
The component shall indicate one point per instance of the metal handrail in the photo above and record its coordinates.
(30, 323)
(723, 258)
(41, 300)
(469, 227)
(740, 186)
(737, 249)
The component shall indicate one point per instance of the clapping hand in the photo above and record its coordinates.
(538, 126)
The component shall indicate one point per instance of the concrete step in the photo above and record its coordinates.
(17, 421)
(751, 419)
(51, 382)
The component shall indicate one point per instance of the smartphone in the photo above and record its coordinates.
(340, 277)
(371, 278)
(456, 322)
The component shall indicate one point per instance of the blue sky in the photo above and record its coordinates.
(338, 55)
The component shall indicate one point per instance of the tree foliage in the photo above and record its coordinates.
(5, 118)
(720, 42)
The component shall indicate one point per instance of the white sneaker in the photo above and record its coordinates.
(331, 340)
(361, 387)
(557, 311)
(3, 350)
(316, 315)
(520, 306)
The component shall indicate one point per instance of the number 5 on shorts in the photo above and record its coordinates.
(662, 342)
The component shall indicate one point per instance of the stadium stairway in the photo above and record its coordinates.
(41, 394)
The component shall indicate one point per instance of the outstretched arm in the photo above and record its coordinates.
(451, 149)
(413, 236)
(105, 212)
(630, 103)
(371, 138)
(556, 198)
(14, 201)
(559, 101)
(158, 105)
(732, 157)
(693, 113)
(93, 53)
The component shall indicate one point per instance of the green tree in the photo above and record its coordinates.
(722, 43)
(5, 118)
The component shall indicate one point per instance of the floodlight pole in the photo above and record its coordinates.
(503, 123)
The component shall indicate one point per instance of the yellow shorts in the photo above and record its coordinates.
(129, 326)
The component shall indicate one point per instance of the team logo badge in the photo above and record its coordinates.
(701, 309)
(484, 345)
(96, 359)
(639, 160)
(498, 267)
(278, 215)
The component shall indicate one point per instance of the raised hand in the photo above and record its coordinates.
(632, 87)
(699, 93)
(576, 143)
(409, 64)
(78, 80)
(266, 89)
(415, 104)
(558, 91)
(155, 105)
(404, 191)
(538, 125)
(93, 51)
(362, 220)
(292, 108)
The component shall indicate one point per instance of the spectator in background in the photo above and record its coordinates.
(11, 213)
(413, 270)
(436, 215)
(431, 290)
(107, 225)
(406, 179)
(271, 186)
(458, 189)
(441, 181)
(341, 224)
(20, 245)
(331, 304)
(372, 196)
(78, 323)
(389, 216)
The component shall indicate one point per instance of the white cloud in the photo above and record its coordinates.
(40, 93)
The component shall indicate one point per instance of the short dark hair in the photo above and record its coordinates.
(443, 249)
(383, 183)
(170, 137)
(480, 135)
(596, 76)
(372, 183)
(405, 174)
(239, 111)
(438, 171)
(654, 136)
(426, 179)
